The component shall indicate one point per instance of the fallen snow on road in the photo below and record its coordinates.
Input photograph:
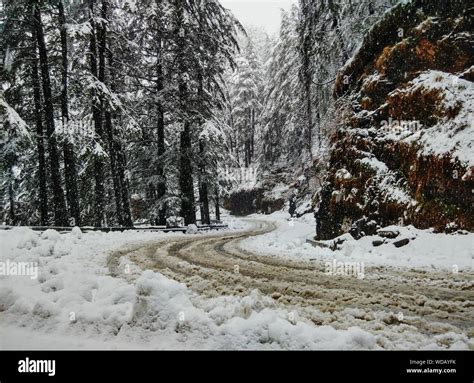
(74, 303)
(426, 250)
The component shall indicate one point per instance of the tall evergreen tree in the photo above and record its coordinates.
(60, 213)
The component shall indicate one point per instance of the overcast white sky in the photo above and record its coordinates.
(261, 13)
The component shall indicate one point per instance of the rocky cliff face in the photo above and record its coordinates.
(405, 152)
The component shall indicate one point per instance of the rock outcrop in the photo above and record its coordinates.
(405, 153)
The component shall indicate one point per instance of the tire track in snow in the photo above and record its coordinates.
(213, 265)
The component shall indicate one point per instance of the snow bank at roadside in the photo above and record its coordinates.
(75, 303)
(426, 250)
(72, 291)
(235, 223)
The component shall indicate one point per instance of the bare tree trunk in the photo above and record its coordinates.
(186, 171)
(216, 201)
(42, 174)
(60, 213)
(309, 114)
(108, 123)
(113, 167)
(305, 75)
(186, 177)
(99, 194)
(72, 195)
(203, 190)
(121, 166)
(119, 157)
(161, 187)
(11, 197)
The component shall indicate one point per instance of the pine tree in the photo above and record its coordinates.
(246, 105)
(281, 138)
(97, 112)
(60, 213)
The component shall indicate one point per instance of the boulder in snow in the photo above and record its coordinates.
(401, 242)
(192, 229)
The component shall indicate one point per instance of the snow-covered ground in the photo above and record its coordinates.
(426, 250)
(72, 301)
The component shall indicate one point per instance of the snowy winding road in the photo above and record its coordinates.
(414, 302)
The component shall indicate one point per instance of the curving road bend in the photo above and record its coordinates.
(426, 302)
